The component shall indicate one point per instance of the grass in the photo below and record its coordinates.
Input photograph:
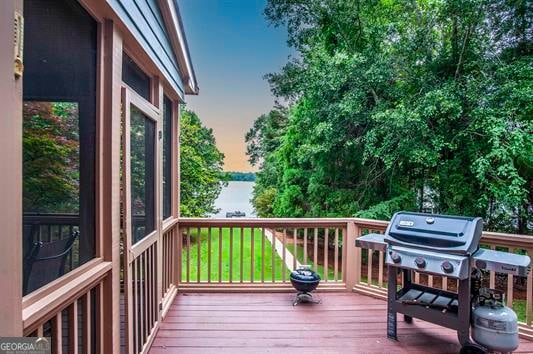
(236, 257)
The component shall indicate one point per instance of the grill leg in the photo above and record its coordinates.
(391, 299)
(406, 274)
(463, 333)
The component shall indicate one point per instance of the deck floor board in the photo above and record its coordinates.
(268, 323)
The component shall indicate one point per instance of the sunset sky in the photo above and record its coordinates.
(232, 47)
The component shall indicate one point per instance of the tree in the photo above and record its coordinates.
(202, 177)
(262, 140)
(51, 157)
(410, 105)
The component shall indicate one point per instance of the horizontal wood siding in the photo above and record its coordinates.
(144, 20)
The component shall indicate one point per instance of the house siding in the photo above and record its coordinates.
(143, 18)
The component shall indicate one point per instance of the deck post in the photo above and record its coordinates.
(11, 176)
(110, 190)
(353, 257)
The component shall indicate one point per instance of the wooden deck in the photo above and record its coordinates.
(268, 323)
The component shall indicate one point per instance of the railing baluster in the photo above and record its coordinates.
(209, 254)
(241, 263)
(220, 255)
(262, 255)
(154, 276)
(135, 298)
(295, 248)
(492, 274)
(199, 254)
(510, 286)
(380, 270)
(57, 333)
(344, 257)
(171, 258)
(142, 303)
(252, 253)
(188, 269)
(148, 286)
(231, 254)
(167, 259)
(305, 246)
(529, 293)
(417, 277)
(166, 248)
(315, 249)
(164, 277)
(73, 327)
(283, 256)
(274, 253)
(369, 267)
(326, 242)
(147, 291)
(40, 331)
(336, 260)
(430, 280)
(445, 283)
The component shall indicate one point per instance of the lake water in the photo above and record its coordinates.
(235, 197)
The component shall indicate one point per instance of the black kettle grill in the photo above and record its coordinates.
(304, 280)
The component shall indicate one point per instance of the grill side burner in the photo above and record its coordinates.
(440, 245)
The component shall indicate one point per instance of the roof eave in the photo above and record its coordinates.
(174, 25)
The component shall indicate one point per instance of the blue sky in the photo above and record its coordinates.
(232, 47)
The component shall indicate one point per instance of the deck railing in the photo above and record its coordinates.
(258, 254)
(73, 317)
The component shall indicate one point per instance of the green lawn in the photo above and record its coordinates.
(204, 264)
(236, 256)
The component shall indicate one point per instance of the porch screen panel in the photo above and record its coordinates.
(135, 78)
(167, 157)
(59, 139)
(142, 159)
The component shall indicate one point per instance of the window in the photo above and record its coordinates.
(142, 181)
(167, 157)
(59, 137)
(135, 78)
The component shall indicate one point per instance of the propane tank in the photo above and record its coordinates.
(494, 325)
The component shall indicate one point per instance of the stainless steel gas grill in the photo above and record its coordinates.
(446, 246)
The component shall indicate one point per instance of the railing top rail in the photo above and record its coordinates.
(263, 222)
(508, 240)
(52, 219)
(503, 239)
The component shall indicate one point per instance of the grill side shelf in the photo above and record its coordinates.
(501, 262)
(372, 242)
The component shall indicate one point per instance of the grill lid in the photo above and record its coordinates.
(444, 233)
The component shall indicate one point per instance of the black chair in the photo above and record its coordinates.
(45, 262)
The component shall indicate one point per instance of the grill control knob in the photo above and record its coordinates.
(420, 262)
(447, 267)
(395, 257)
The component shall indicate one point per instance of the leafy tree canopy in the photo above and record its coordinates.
(417, 105)
(201, 165)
